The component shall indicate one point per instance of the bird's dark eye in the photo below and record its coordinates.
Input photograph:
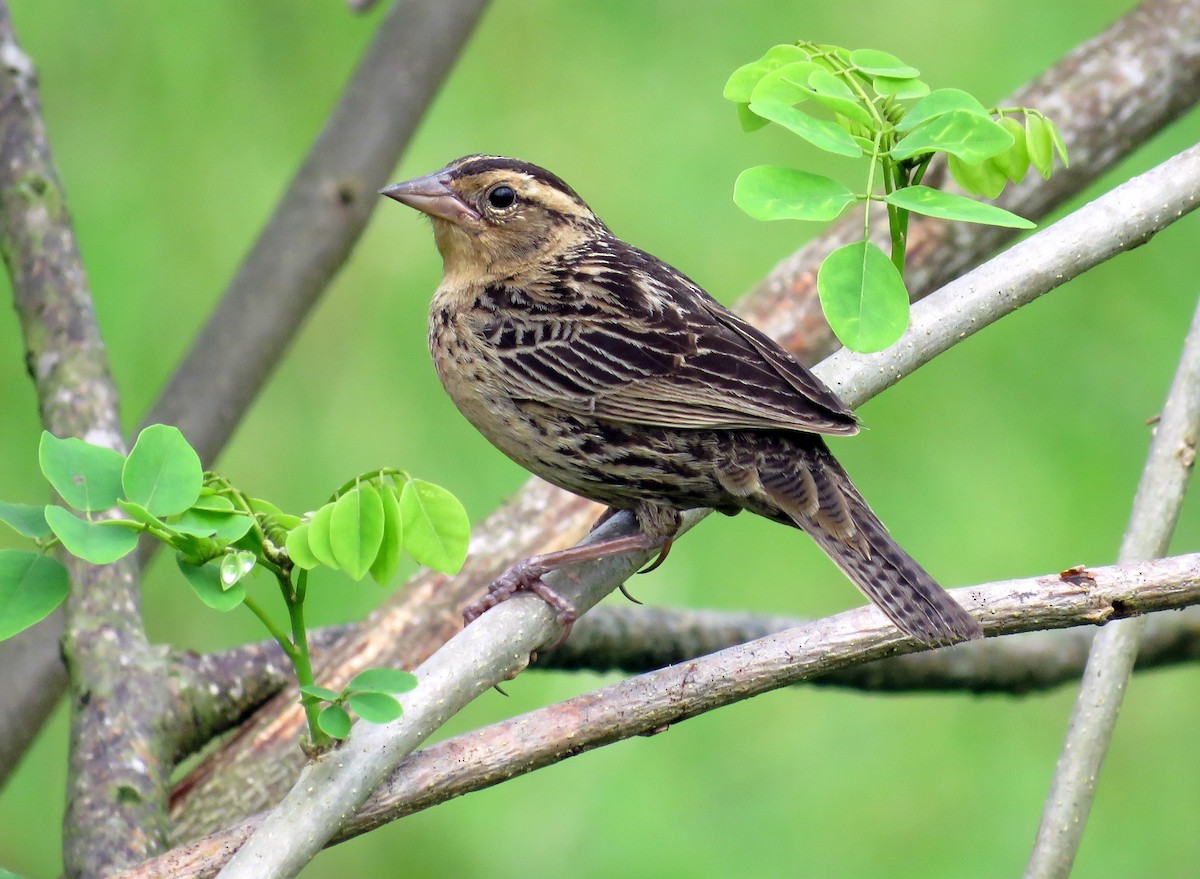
(502, 197)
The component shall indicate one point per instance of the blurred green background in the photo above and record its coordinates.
(176, 127)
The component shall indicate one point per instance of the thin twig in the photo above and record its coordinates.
(497, 645)
(1110, 663)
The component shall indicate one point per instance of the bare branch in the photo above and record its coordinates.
(116, 740)
(650, 703)
(1110, 663)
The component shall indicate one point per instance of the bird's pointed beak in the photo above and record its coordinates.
(432, 195)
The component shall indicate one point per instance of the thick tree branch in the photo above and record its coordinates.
(117, 783)
(650, 703)
(1110, 663)
(1158, 76)
(497, 645)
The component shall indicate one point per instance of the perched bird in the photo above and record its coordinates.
(611, 374)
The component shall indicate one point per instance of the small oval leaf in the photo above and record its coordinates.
(876, 63)
(205, 581)
(93, 542)
(937, 103)
(821, 133)
(1014, 161)
(31, 586)
(162, 472)
(334, 721)
(769, 192)
(948, 206)
(318, 537)
(298, 549)
(26, 519)
(385, 680)
(375, 707)
(318, 692)
(436, 528)
(391, 547)
(1040, 143)
(960, 133)
(742, 81)
(87, 477)
(863, 297)
(356, 529)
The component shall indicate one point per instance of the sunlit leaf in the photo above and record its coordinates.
(822, 133)
(1040, 143)
(742, 81)
(356, 529)
(1014, 161)
(769, 192)
(318, 537)
(829, 90)
(31, 586)
(937, 103)
(323, 693)
(905, 89)
(948, 206)
(298, 548)
(982, 178)
(334, 721)
(87, 477)
(749, 120)
(960, 133)
(225, 525)
(391, 547)
(436, 528)
(863, 297)
(876, 63)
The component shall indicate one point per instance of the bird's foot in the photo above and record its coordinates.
(525, 576)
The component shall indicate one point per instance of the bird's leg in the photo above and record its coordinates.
(526, 576)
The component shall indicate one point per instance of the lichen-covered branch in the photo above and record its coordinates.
(117, 783)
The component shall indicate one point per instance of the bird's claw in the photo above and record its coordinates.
(525, 576)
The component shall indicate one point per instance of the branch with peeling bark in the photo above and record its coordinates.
(651, 702)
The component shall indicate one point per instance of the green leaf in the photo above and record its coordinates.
(225, 525)
(748, 120)
(235, 566)
(209, 500)
(163, 472)
(960, 133)
(26, 519)
(742, 81)
(205, 581)
(298, 548)
(1014, 161)
(31, 586)
(937, 103)
(391, 547)
(436, 528)
(829, 90)
(876, 63)
(983, 178)
(863, 296)
(769, 192)
(904, 89)
(1040, 143)
(87, 477)
(323, 693)
(1059, 146)
(318, 537)
(385, 680)
(821, 133)
(356, 529)
(93, 542)
(948, 206)
(334, 721)
(375, 707)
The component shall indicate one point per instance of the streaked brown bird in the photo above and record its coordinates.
(611, 374)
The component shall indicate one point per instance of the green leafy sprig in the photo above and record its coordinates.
(869, 104)
(220, 536)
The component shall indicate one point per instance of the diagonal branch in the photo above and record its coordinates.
(649, 703)
(496, 646)
(1159, 76)
(1110, 663)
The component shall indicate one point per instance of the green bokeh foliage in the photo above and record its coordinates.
(1014, 455)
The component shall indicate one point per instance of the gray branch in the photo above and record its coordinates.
(1110, 663)
(649, 703)
(118, 680)
(496, 646)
